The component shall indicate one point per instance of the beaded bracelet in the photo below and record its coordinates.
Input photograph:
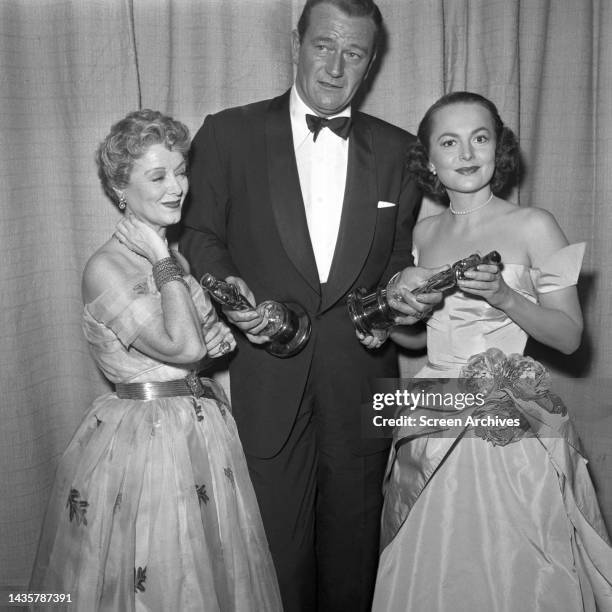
(166, 270)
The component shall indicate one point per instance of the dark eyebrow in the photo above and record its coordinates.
(331, 41)
(451, 134)
(364, 50)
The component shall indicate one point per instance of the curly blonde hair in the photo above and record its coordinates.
(129, 139)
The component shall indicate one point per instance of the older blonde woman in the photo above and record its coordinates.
(152, 506)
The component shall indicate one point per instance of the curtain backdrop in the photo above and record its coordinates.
(69, 68)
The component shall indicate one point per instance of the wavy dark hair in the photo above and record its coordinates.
(129, 139)
(352, 8)
(507, 152)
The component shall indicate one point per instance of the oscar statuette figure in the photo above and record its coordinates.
(371, 311)
(288, 323)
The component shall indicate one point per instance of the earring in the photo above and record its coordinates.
(122, 201)
(433, 171)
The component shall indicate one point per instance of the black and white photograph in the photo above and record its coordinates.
(306, 305)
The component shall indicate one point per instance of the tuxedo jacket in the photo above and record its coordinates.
(245, 217)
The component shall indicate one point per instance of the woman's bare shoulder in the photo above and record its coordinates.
(427, 227)
(106, 268)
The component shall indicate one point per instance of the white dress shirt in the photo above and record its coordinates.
(322, 171)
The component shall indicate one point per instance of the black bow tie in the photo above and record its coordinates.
(338, 125)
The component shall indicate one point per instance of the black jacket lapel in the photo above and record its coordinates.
(285, 192)
(358, 219)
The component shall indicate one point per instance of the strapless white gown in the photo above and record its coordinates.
(469, 526)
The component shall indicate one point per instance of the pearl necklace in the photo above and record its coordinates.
(470, 210)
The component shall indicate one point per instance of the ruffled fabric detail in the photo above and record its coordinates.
(129, 311)
(560, 270)
(114, 320)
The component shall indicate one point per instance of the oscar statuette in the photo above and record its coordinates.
(288, 323)
(370, 312)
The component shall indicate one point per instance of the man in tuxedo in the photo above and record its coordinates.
(295, 209)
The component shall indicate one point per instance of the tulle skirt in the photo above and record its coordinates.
(152, 509)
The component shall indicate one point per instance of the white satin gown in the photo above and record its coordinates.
(472, 526)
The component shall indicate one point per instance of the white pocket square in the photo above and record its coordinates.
(383, 204)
